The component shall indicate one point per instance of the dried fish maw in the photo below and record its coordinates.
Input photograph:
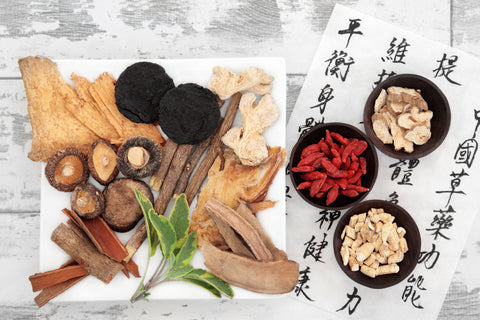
(54, 127)
(235, 182)
(265, 277)
(103, 92)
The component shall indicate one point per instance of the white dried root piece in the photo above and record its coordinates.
(401, 117)
(247, 141)
(225, 83)
(373, 243)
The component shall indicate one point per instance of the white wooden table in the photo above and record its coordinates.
(72, 29)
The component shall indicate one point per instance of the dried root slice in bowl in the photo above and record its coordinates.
(138, 157)
(87, 201)
(66, 169)
(102, 161)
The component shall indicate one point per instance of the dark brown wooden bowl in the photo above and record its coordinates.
(313, 136)
(403, 219)
(437, 102)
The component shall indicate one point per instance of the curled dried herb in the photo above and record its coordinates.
(177, 247)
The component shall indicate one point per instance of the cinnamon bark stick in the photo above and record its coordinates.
(40, 281)
(51, 292)
(101, 235)
(168, 151)
(192, 163)
(170, 182)
(213, 150)
(74, 242)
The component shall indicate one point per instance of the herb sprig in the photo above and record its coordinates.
(177, 247)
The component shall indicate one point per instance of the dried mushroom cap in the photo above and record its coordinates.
(66, 169)
(122, 211)
(87, 201)
(189, 113)
(138, 157)
(139, 89)
(102, 161)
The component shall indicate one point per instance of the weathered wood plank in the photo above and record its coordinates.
(465, 25)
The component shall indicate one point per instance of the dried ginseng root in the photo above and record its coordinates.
(373, 244)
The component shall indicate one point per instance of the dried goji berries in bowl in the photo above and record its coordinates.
(413, 119)
(384, 226)
(333, 166)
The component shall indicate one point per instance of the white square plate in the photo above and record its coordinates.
(52, 201)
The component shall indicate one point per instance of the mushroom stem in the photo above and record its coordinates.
(138, 157)
(68, 170)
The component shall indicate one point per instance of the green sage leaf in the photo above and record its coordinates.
(185, 255)
(204, 285)
(146, 206)
(165, 232)
(179, 219)
(179, 272)
(208, 278)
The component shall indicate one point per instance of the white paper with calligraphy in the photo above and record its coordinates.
(440, 191)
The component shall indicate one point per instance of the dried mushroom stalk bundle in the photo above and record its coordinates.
(401, 117)
(373, 243)
(225, 83)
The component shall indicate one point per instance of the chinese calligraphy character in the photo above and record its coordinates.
(454, 183)
(393, 197)
(430, 258)
(287, 192)
(383, 76)
(339, 64)
(309, 123)
(315, 249)
(410, 291)
(407, 173)
(446, 67)
(441, 222)
(354, 24)
(351, 298)
(324, 97)
(302, 283)
(396, 52)
(466, 151)
(328, 216)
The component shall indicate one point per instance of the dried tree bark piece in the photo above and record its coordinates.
(247, 214)
(101, 235)
(174, 172)
(168, 151)
(51, 292)
(233, 241)
(213, 150)
(263, 277)
(40, 281)
(242, 227)
(74, 242)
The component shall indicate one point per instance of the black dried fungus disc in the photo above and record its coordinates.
(139, 89)
(189, 113)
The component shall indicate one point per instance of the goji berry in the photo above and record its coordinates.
(339, 138)
(317, 164)
(303, 169)
(355, 177)
(363, 164)
(337, 162)
(332, 194)
(304, 185)
(310, 149)
(342, 183)
(348, 149)
(328, 139)
(349, 193)
(360, 147)
(320, 195)
(356, 188)
(324, 148)
(354, 166)
(316, 185)
(315, 175)
(310, 159)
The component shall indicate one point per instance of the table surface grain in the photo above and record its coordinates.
(82, 29)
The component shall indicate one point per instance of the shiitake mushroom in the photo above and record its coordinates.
(139, 89)
(66, 169)
(122, 211)
(102, 161)
(87, 201)
(138, 157)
